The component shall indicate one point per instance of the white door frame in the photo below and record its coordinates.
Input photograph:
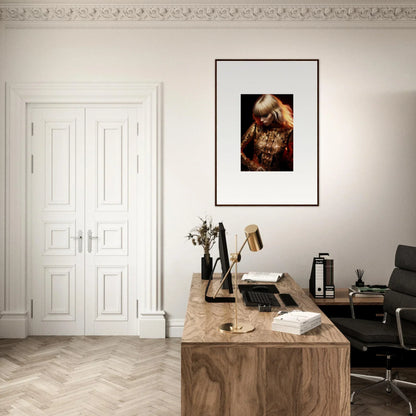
(15, 316)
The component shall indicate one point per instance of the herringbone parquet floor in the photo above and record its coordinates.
(89, 376)
(119, 376)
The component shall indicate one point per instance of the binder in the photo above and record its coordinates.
(329, 279)
(321, 282)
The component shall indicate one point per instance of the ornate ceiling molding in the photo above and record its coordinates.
(206, 13)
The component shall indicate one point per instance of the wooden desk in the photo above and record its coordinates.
(263, 372)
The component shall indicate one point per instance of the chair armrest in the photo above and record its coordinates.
(351, 295)
(400, 329)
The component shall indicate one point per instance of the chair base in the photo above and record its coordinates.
(390, 383)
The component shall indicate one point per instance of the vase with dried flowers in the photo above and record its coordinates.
(204, 235)
(360, 274)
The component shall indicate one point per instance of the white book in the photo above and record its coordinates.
(262, 277)
(296, 331)
(296, 322)
(302, 326)
(297, 317)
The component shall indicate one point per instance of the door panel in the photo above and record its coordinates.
(112, 287)
(56, 203)
(58, 238)
(60, 159)
(111, 221)
(112, 238)
(59, 293)
(112, 166)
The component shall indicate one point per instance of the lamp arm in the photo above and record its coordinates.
(230, 268)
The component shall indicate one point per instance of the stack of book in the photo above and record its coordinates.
(296, 322)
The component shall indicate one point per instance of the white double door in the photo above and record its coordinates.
(83, 217)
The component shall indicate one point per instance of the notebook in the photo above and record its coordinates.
(262, 277)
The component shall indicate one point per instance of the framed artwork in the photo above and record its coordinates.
(266, 132)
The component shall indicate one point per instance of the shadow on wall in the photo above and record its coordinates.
(386, 145)
(388, 137)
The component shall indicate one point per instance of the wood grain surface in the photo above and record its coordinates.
(203, 319)
(130, 376)
(264, 372)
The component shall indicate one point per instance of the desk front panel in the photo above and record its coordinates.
(265, 380)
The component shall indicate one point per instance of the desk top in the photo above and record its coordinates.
(203, 319)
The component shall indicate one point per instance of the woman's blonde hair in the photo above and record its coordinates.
(269, 104)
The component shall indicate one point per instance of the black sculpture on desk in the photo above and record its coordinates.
(359, 282)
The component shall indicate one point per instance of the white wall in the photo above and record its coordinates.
(367, 135)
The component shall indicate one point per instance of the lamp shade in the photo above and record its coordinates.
(253, 237)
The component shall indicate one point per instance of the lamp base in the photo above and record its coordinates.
(241, 329)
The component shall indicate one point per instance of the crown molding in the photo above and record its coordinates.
(206, 13)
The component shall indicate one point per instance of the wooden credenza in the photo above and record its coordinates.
(366, 307)
(263, 372)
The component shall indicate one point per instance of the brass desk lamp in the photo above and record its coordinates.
(255, 244)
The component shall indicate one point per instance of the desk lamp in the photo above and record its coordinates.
(255, 244)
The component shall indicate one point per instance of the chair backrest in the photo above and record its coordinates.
(402, 284)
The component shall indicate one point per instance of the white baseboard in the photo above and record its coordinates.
(13, 325)
(153, 324)
(175, 328)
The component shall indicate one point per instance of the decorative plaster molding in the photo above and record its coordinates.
(206, 13)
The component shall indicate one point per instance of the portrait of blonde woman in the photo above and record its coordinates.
(267, 144)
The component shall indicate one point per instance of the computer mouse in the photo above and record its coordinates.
(260, 289)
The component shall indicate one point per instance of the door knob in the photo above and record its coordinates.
(79, 238)
(90, 238)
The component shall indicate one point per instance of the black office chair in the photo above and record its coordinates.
(397, 332)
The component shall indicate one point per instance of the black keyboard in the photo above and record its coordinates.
(259, 298)
(287, 299)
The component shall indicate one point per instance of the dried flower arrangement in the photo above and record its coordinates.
(204, 235)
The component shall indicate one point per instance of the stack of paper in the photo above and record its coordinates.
(262, 277)
(369, 289)
(296, 322)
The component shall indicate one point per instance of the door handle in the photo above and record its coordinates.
(90, 238)
(79, 238)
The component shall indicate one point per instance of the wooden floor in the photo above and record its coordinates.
(121, 376)
(375, 401)
(90, 376)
